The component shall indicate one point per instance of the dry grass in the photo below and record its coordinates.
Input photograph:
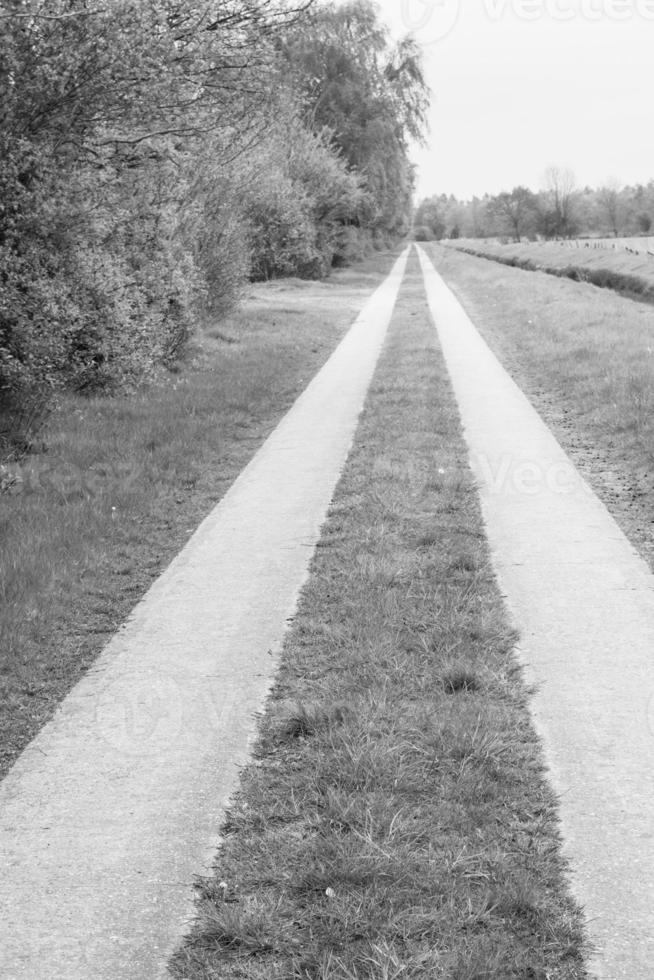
(585, 357)
(395, 822)
(88, 523)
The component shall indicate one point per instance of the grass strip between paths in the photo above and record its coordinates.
(396, 820)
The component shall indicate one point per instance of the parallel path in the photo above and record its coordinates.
(583, 600)
(114, 808)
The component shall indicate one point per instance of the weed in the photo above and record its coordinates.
(457, 680)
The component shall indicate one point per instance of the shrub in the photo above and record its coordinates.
(281, 234)
(22, 414)
(423, 234)
(300, 196)
(351, 245)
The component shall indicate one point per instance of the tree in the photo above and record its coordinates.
(370, 94)
(477, 215)
(608, 198)
(514, 209)
(430, 215)
(557, 215)
(299, 196)
(106, 109)
(153, 153)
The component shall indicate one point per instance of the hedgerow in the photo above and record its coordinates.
(155, 155)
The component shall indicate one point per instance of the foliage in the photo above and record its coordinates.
(154, 153)
(436, 214)
(560, 209)
(300, 194)
(516, 210)
(371, 95)
(106, 110)
(422, 233)
(608, 199)
(558, 199)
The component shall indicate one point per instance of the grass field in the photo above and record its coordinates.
(637, 243)
(585, 357)
(613, 268)
(89, 523)
(395, 822)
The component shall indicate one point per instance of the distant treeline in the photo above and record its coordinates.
(154, 154)
(561, 209)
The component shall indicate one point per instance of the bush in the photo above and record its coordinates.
(98, 283)
(300, 197)
(281, 234)
(351, 245)
(423, 234)
(150, 162)
(22, 414)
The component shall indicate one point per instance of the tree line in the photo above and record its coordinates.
(560, 209)
(155, 154)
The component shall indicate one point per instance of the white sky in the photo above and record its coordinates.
(521, 84)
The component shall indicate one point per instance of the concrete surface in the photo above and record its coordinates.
(116, 805)
(583, 601)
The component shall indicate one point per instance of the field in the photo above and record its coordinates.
(585, 358)
(639, 243)
(602, 262)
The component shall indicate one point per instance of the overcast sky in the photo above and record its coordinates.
(521, 84)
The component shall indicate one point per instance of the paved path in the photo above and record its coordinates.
(115, 806)
(583, 601)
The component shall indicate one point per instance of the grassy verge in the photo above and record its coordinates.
(628, 273)
(585, 358)
(395, 821)
(87, 524)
